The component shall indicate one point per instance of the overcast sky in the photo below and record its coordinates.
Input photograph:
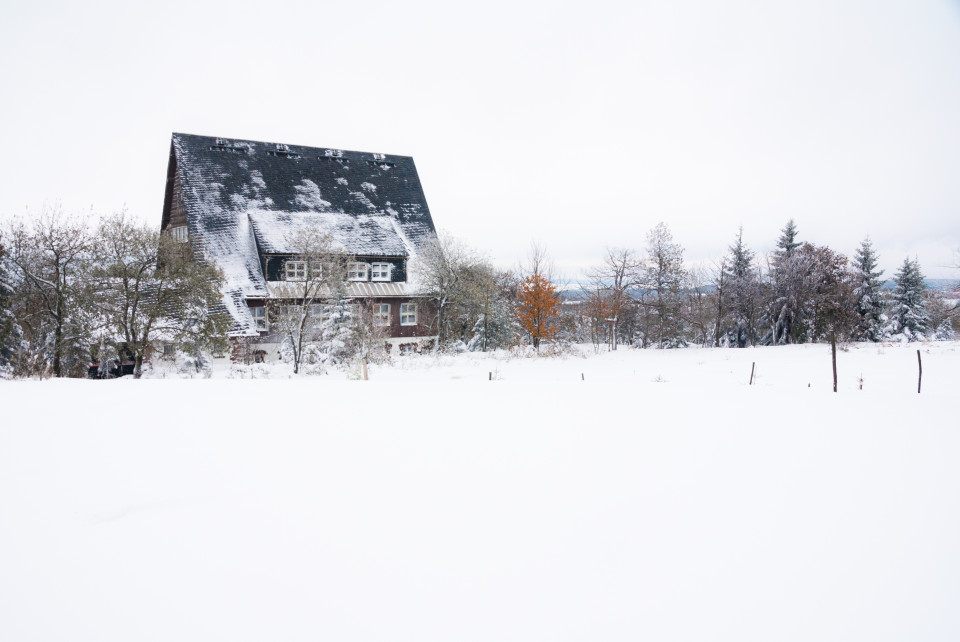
(578, 124)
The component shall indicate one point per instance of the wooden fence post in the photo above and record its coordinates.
(833, 357)
(920, 373)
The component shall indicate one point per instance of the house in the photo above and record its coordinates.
(237, 203)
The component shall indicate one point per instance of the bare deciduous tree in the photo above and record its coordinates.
(148, 286)
(51, 256)
(612, 284)
(316, 272)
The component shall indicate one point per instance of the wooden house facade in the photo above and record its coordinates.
(238, 203)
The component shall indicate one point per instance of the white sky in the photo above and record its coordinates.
(580, 125)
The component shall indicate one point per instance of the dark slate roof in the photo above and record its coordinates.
(239, 193)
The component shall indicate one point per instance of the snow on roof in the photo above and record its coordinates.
(361, 234)
(238, 193)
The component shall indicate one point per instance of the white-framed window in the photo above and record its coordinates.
(179, 233)
(169, 351)
(380, 272)
(357, 271)
(408, 314)
(295, 270)
(259, 316)
(381, 313)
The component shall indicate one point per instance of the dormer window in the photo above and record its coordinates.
(259, 314)
(357, 271)
(295, 270)
(380, 272)
(179, 233)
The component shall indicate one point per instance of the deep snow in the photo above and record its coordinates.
(660, 497)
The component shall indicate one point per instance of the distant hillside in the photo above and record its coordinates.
(572, 292)
(942, 285)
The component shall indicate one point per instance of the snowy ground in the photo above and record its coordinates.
(657, 497)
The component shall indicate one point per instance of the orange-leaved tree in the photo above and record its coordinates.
(539, 305)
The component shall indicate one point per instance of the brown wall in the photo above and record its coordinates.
(426, 311)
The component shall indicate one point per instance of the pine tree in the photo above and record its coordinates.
(741, 290)
(908, 315)
(787, 243)
(788, 275)
(869, 301)
(538, 307)
(664, 276)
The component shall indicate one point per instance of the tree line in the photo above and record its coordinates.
(74, 293)
(800, 293)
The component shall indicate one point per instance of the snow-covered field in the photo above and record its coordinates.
(637, 495)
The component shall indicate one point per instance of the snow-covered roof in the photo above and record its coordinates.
(238, 194)
(361, 234)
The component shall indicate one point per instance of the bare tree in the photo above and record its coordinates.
(613, 283)
(699, 304)
(149, 286)
(720, 285)
(315, 273)
(462, 283)
(368, 337)
(50, 256)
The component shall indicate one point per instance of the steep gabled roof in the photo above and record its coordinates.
(238, 194)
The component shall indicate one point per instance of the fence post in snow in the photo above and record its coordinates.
(920, 373)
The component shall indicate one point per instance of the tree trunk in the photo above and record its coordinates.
(833, 355)
(58, 340)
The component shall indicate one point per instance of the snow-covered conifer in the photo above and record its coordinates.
(868, 293)
(909, 319)
(945, 332)
(741, 291)
(788, 272)
(664, 276)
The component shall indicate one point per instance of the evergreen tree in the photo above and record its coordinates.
(869, 301)
(788, 274)
(664, 276)
(741, 290)
(908, 315)
(945, 332)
